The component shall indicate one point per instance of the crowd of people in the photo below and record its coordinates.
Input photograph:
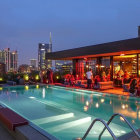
(129, 83)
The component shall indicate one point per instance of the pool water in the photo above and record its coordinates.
(67, 113)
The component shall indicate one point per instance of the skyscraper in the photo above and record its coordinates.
(7, 59)
(43, 48)
(10, 59)
(14, 58)
(33, 63)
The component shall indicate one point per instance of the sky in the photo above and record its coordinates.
(73, 23)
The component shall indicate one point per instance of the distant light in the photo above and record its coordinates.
(43, 44)
(1, 88)
(42, 49)
(122, 54)
(57, 77)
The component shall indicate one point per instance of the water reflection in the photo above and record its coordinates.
(43, 93)
(106, 105)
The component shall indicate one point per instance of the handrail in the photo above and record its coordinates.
(112, 117)
(106, 126)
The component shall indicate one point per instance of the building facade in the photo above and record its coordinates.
(2, 69)
(111, 61)
(64, 66)
(44, 63)
(33, 63)
(10, 59)
(14, 61)
(44, 49)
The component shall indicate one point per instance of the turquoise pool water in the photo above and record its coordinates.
(67, 113)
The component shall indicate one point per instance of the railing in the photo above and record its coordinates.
(106, 127)
(112, 117)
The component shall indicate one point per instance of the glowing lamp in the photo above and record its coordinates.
(26, 77)
(87, 66)
(102, 66)
(97, 66)
(57, 77)
(37, 77)
(1, 79)
(37, 86)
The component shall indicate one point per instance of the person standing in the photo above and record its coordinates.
(89, 78)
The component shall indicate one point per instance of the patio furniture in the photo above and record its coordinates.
(81, 83)
(106, 85)
(11, 119)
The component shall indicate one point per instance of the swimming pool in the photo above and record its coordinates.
(67, 113)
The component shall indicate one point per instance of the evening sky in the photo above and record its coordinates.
(73, 23)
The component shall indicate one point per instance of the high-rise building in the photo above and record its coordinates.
(10, 59)
(14, 58)
(33, 63)
(7, 59)
(43, 48)
(2, 56)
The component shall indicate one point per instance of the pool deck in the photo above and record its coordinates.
(115, 90)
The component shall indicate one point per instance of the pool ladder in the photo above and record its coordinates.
(106, 126)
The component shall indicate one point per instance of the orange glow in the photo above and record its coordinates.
(127, 113)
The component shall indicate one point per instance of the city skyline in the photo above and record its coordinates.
(73, 24)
